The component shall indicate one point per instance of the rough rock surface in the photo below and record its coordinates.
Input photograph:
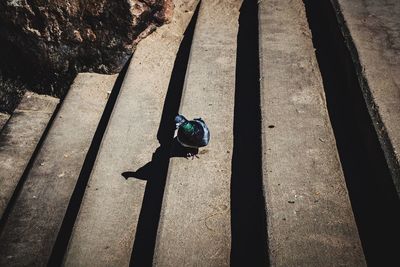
(45, 43)
(11, 91)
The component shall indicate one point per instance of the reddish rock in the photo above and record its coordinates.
(46, 43)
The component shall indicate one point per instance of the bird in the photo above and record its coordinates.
(192, 134)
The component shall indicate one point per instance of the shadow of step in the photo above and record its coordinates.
(31, 229)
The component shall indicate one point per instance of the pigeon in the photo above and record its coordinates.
(192, 134)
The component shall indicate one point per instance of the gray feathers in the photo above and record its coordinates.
(192, 134)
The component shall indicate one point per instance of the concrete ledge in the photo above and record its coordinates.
(310, 219)
(19, 138)
(371, 32)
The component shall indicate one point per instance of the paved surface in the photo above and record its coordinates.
(195, 222)
(106, 225)
(19, 138)
(309, 216)
(372, 33)
(310, 220)
(3, 119)
(32, 227)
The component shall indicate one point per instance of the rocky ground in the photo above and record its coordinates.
(44, 44)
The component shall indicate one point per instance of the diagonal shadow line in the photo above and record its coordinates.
(155, 172)
(248, 214)
(64, 234)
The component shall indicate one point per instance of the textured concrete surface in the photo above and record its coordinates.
(309, 216)
(195, 221)
(105, 229)
(371, 29)
(19, 138)
(31, 230)
(3, 119)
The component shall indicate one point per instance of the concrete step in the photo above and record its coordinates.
(19, 139)
(309, 215)
(3, 119)
(289, 184)
(371, 31)
(33, 224)
(105, 228)
(195, 219)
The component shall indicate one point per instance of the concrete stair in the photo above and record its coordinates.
(106, 184)
(19, 140)
(303, 181)
(32, 226)
(104, 231)
(195, 220)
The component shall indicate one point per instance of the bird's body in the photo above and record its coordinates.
(192, 134)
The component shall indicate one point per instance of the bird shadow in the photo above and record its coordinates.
(151, 169)
(155, 174)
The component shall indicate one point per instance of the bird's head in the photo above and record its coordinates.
(179, 120)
